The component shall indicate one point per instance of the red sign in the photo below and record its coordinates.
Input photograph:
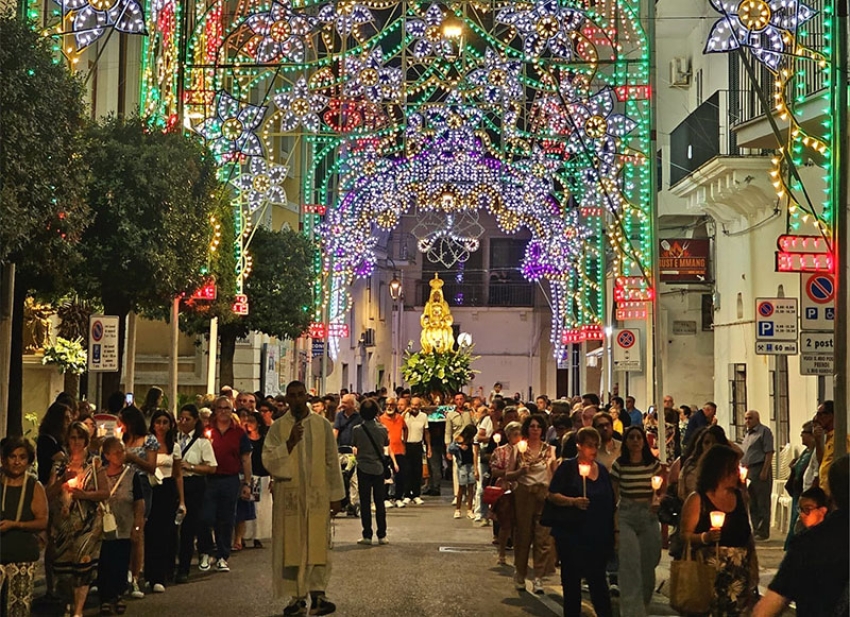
(802, 244)
(804, 262)
(317, 330)
(632, 289)
(821, 289)
(314, 209)
(626, 339)
(684, 260)
(585, 333)
(240, 304)
(627, 311)
(207, 292)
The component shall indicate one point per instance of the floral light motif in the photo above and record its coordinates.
(760, 25)
(546, 25)
(499, 79)
(92, 18)
(280, 34)
(597, 128)
(428, 32)
(262, 183)
(231, 131)
(367, 76)
(299, 106)
(346, 15)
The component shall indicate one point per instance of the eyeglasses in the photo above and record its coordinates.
(602, 425)
(222, 407)
(807, 510)
(535, 426)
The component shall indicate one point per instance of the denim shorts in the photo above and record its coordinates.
(465, 475)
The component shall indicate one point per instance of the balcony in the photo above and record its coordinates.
(482, 288)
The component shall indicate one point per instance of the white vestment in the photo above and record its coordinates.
(306, 480)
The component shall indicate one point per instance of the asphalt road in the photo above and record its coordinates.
(434, 565)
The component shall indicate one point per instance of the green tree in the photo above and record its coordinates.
(42, 180)
(279, 290)
(152, 194)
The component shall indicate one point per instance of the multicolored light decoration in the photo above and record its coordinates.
(536, 112)
(794, 41)
(89, 20)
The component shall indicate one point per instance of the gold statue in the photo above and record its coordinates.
(36, 326)
(436, 321)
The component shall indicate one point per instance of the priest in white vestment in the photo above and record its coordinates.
(300, 453)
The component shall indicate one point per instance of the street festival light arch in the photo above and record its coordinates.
(537, 112)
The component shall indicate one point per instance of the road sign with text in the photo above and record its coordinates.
(627, 351)
(776, 319)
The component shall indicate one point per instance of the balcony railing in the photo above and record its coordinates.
(487, 289)
(707, 132)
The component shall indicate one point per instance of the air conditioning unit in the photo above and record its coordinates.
(680, 72)
(368, 337)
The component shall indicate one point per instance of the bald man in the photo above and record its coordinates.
(758, 456)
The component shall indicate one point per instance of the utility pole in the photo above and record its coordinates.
(841, 218)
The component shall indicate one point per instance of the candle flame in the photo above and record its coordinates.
(522, 446)
(717, 519)
(583, 469)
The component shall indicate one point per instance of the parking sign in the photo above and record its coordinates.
(817, 301)
(776, 319)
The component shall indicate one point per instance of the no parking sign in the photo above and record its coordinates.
(817, 297)
(627, 351)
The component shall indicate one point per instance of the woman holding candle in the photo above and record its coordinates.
(585, 542)
(77, 485)
(140, 448)
(639, 532)
(502, 459)
(715, 522)
(532, 472)
(168, 502)
(23, 515)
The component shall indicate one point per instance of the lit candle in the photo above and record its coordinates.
(522, 446)
(584, 471)
(497, 437)
(742, 472)
(72, 483)
(101, 430)
(118, 432)
(717, 519)
(657, 481)
(208, 433)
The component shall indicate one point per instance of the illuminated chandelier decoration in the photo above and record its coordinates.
(537, 113)
(795, 42)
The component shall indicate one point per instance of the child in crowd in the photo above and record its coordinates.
(813, 506)
(467, 473)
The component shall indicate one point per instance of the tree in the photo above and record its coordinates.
(152, 194)
(42, 179)
(279, 291)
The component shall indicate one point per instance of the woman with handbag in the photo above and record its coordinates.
(23, 515)
(639, 549)
(532, 472)
(140, 448)
(731, 547)
(169, 503)
(198, 461)
(123, 520)
(371, 441)
(502, 506)
(77, 485)
(581, 514)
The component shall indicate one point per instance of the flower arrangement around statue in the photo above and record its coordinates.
(439, 368)
(68, 356)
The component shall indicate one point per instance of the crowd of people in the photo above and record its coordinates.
(567, 485)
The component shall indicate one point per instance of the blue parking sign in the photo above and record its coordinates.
(765, 328)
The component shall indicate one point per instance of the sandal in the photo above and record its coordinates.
(236, 548)
(258, 544)
(120, 607)
(106, 609)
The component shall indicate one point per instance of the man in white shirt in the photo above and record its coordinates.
(417, 431)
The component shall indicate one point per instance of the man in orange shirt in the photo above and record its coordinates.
(393, 420)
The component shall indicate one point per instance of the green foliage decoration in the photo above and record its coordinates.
(443, 372)
(68, 355)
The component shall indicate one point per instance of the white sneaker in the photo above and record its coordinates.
(222, 566)
(204, 564)
(389, 503)
(470, 514)
(365, 541)
(538, 587)
(418, 501)
(406, 500)
(457, 513)
(135, 591)
(159, 588)
(383, 541)
(400, 503)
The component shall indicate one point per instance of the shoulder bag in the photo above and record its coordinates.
(691, 584)
(110, 525)
(565, 517)
(385, 460)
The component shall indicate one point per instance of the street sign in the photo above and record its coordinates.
(817, 353)
(776, 319)
(103, 343)
(627, 351)
(776, 349)
(817, 308)
(318, 349)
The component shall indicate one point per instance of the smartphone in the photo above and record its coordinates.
(129, 399)
(651, 409)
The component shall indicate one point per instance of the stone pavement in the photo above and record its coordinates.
(434, 565)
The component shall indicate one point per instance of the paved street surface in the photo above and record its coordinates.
(434, 565)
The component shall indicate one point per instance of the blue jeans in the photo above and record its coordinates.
(220, 512)
(639, 553)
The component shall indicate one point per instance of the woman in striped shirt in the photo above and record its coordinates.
(639, 533)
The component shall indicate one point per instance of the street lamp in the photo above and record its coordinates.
(395, 287)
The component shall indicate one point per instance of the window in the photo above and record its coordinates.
(507, 286)
(707, 312)
(738, 399)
